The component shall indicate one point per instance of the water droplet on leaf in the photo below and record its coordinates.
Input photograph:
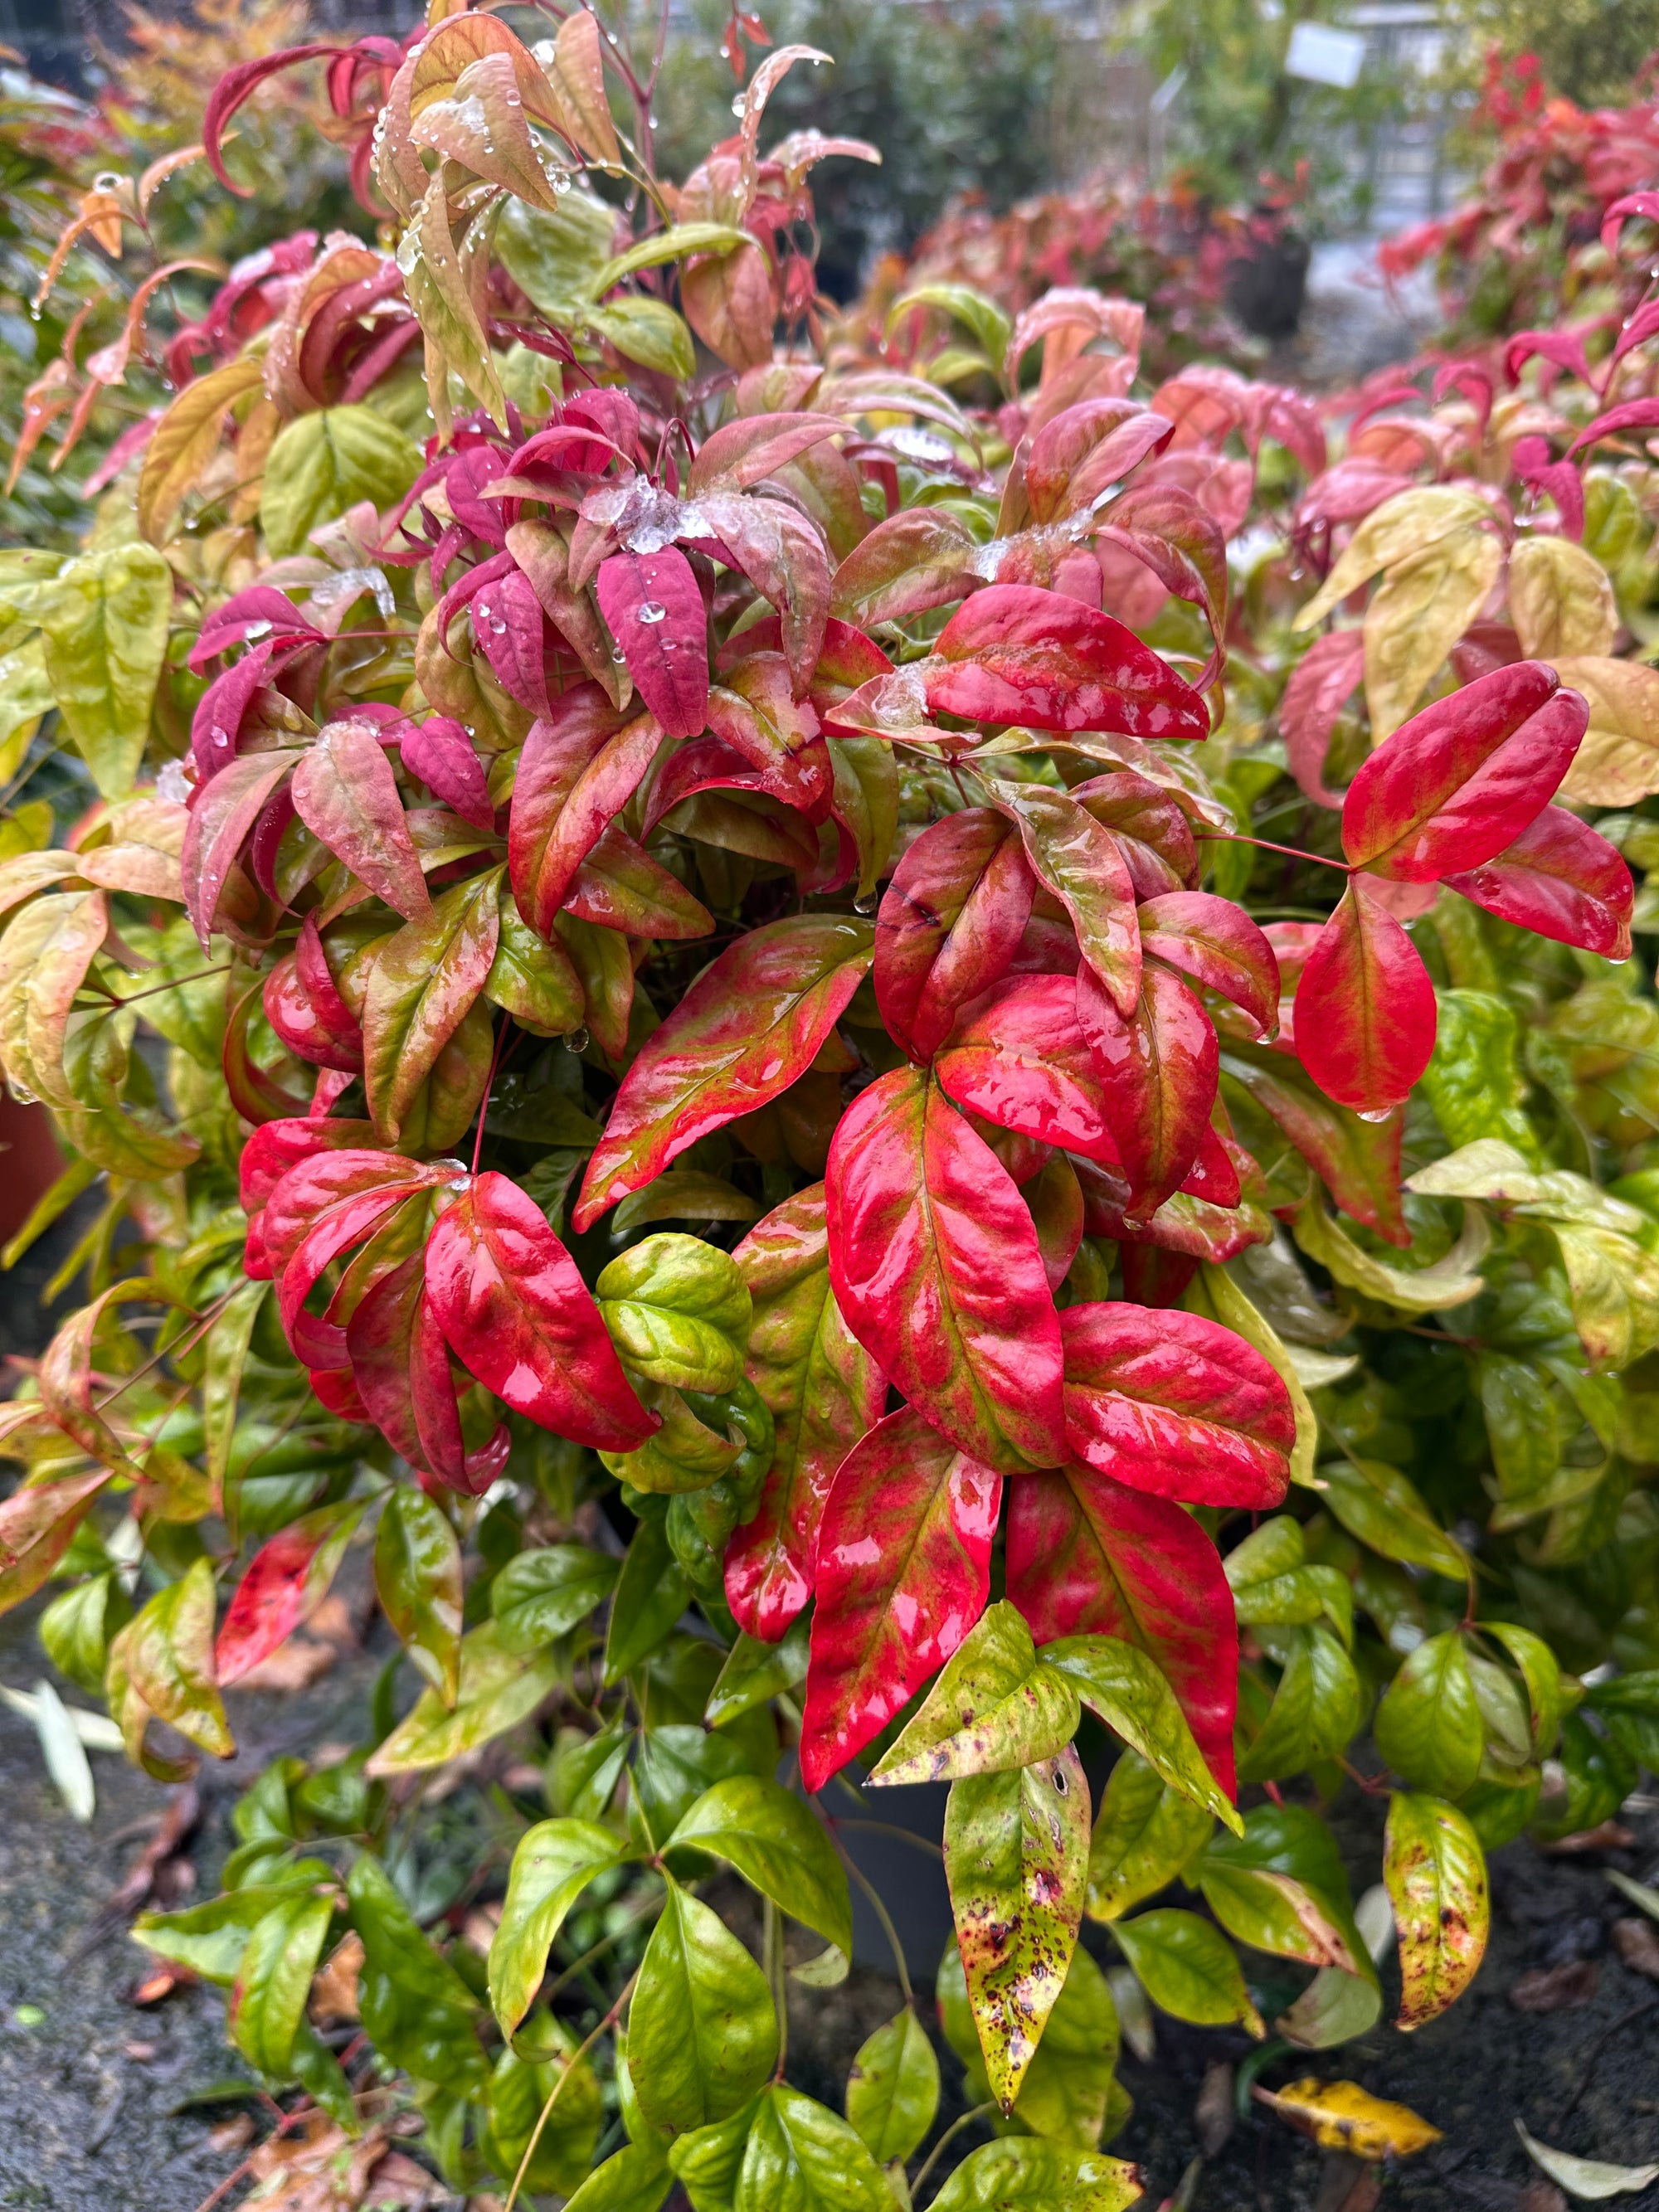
(651, 610)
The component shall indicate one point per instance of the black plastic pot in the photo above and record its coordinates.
(1265, 285)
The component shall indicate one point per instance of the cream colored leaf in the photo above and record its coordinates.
(1560, 600)
(1617, 762)
(1591, 2178)
(1418, 612)
(1408, 524)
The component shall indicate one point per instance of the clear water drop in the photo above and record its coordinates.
(562, 181)
(651, 610)
(740, 106)
(867, 905)
(618, 655)
(576, 1041)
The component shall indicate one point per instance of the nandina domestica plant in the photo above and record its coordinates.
(667, 790)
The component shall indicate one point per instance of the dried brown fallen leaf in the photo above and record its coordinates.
(1637, 1942)
(334, 1988)
(231, 2134)
(292, 1666)
(160, 1983)
(1611, 1836)
(1347, 2184)
(325, 2171)
(1215, 2115)
(1555, 1989)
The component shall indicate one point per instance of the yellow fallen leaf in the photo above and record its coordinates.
(1341, 2116)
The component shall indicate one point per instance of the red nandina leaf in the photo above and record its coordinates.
(903, 1572)
(1089, 1557)
(1561, 878)
(277, 1147)
(1365, 1010)
(287, 1579)
(1151, 829)
(294, 1016)
(256, 1092)
(238, 84)
(440, 753)
(752, 1023)
(1217, 945)
(935, 1265)
(825, 1392)
(1077, 860)
(578, 769)
(1185, 547)
(1176, 1405)
(1214, 1173)
(425, 980)
(1015, 653)
(619, 886)
(1084, 450)
(319, 1210)
(225, 811)
(346, 793)
(400, 1362)
(516, 1312)
(921, 558)
(756, 446)
(1323, 681)
(784, 557)
(1460, 781)
(1157, 1070)
(1018, 1059)
(655, 612)
(950, 921)
(508, 623)
(754, 711)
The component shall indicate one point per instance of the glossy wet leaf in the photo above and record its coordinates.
(1188, 1968)
(1029, 2175)
(935, 1267)
(1016, 1858)
(1383, 1506)
(498, 1688)
(1079, 860)
(779, 1847)
(1014, 653)
(1428, 1726)
(1365, 1010)
(652, 1592)
(104, 624)
(679, 1312)
(1436, 1873)
(287, 1579)
(273, 1980)
(1175, 1404)
(1462, 779)
(902, 1574)
(801, 2157)
(949, 923)
(702, 2033)
(516, 1312)
(164, 1659)
(751, 1024)
(424, 980)
(554, 1862)
(345, 792)
(892, 2090)
(1121, 1685)
(993, 1709)
(1157, 1068)
(540, 1596)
